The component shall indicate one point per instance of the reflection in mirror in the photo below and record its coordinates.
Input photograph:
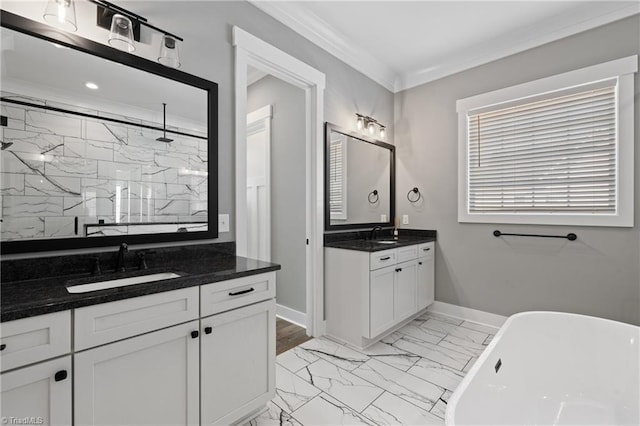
(359, 180)
(87, 160)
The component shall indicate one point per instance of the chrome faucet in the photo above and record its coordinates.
(124, 248)
(372, 234)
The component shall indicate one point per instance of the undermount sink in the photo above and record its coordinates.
(121, 282)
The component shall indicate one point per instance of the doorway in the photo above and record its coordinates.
(253, 52)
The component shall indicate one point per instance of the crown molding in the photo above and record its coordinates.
(535, 36)
(297, 17)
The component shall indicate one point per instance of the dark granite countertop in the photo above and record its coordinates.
(359, 241)
(37, 296)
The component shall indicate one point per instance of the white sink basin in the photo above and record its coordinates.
(102, 285)
(386, 242)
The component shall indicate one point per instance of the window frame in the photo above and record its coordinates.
(620, 69)
(342, 214)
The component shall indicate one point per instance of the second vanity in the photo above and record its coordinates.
(373, 287)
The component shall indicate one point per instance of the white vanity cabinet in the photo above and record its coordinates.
(370, 294)
(195, 356)
(39, 393)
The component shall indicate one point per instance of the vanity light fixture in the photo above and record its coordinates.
(125, 31)
(62, 14)
(371, 125)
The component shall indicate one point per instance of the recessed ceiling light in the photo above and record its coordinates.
(91, 86)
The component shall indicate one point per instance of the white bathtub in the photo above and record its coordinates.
(556, 369)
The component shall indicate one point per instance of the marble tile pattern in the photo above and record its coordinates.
(405, 379)
(61, 166)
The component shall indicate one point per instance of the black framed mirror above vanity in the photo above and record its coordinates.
(94, 167)
(359, 180)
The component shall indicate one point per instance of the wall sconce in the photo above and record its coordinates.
(371, 125)
(124, 29)
(62, 14)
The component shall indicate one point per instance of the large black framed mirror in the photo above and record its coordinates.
(93, 168)
(359, 180)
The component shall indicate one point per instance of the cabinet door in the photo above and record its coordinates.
(237, 362)
(381, 295)
(40, 394)
(426, 281)
(406, 290)
(147, 380)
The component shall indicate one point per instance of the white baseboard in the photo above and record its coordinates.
(291, 315)
(467, 314)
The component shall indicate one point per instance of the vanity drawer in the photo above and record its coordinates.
(407, 253)
(426, 249)
(226, 295)
(380, 259)
(34, 339)
(108, 322)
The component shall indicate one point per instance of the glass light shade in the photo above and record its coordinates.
(383, 133)
(360, 123)
(371, 127)
(121, 35)
(169, 56)
(62, 14)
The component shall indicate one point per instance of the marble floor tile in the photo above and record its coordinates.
(291, 390)
(441, 317)
(400, 383)
(439, 325)
(335, 353)
(433, 352)
(480, 327)
(470, 364)
(341, 384)
(463, 346)
(422, 333)
(389, 409)
(440, 408)
(391, 338)
(272, 415)
(468, 334)
(325, 410)
(296, 359)
(391, 355)
(437, 374)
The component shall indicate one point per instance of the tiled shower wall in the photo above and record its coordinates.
(61, 166)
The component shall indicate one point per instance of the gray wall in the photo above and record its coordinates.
(597, 275)
(207, 52)
(288, 233)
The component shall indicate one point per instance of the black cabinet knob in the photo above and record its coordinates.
(3, 347)
(208, 330)
(194, 334)
(419, 263)
(60, 375)
(398, 269)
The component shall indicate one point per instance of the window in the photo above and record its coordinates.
(555, 151)
(338, 177)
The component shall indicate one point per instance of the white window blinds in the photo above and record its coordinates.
(337, 179)
(552, 155)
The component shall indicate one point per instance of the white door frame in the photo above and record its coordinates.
(261, 119)
(251, 51)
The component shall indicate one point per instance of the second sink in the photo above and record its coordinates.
(121, 282)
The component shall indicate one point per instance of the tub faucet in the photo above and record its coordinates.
(372, 234)
(124, 248)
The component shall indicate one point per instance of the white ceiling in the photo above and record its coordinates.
(402, 44)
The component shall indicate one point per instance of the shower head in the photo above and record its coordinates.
(6, 145)
(164, 138)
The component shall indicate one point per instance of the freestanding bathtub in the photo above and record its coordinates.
(552, 368)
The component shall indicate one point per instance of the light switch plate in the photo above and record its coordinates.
(405, 219)
(223, 223)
